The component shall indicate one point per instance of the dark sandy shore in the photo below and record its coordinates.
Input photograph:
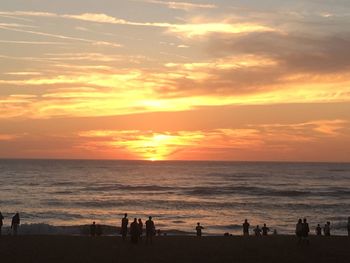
(173, 249)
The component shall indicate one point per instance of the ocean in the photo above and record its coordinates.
(177, 194)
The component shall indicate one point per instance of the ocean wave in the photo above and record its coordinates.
(47, 229)
(115, 187)
(268, 192)
(225, 227)
(86, 204)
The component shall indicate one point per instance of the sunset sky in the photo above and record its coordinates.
(157, 80)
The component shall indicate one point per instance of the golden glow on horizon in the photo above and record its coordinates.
(147, 145)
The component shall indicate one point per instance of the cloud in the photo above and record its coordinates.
(24, 73)
(188, 30)
(295, 52)
(182, 5)
(32, 42)
(146, 145)
(13, 25)
(29, 13)
(7, 137)
(268, 138)
(94, 42)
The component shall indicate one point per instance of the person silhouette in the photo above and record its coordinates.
(265, 230)
(140, 224)
(199, 229)
(318, 230)
(150, 230)
(349, 226)
(299, 230)
(134, 231)
(1, 222)
(257, 231)
(124, 227)
(327, 229)
(93, 229)
(246, 228)
(305, 231)
(15, 223)
(98, 230)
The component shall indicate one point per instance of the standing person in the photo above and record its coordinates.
(299, 230)
(246, 228)
(124, 227)
(140, 224)
(305, 231)
(15, 223)
(1, 222)
(98, 230)
(327, 229)
(318, 230)
(134, 231)
(265, 230)
(93, 229)
(349, 226)
(199, 229)
(257, 231)
(150, 230)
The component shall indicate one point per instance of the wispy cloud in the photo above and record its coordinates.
(8, 137)
(23, 73)
(182, 5)
(196, 28)
(153, 145)
(94, 42)
(23, 42)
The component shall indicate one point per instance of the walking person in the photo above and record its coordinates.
(1, 222)
(305, 231)
(140, 224)
(93, 229)
(327, 229)
(134, 231)
(318, 230)
(246, 228)
(298, 230)
(257, 231)
(150, 230)
(15, 223)
(124, 227)
(265, 230)
(199, 229)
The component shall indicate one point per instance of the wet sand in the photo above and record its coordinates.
(51, 249)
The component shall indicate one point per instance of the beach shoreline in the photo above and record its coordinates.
(280, 248)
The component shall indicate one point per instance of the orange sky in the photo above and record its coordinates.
(158, 80)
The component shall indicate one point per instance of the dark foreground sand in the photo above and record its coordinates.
(172, 249)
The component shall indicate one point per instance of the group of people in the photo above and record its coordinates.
(95, 230)
(136, 229)
(257, 230)
(327, 229)
(302, 229)
(14, 223)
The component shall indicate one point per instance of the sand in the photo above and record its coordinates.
(173, 249)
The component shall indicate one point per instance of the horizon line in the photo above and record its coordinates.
(163, 161)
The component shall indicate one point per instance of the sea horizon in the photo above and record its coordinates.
(178, 194)
(182, 160)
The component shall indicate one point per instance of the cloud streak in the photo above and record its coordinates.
(185, 30)
(182, 5)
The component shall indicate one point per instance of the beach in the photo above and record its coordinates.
(173, 249)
